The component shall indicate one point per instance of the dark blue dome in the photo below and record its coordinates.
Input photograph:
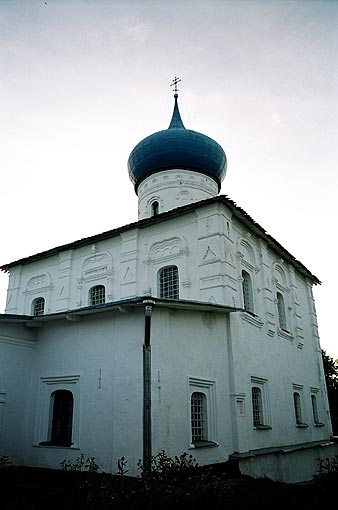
(177, 147)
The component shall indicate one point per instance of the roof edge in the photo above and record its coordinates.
(238, 211)
(121, 305)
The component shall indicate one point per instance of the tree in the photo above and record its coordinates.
(331, 377)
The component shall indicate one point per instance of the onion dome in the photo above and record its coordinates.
(177, 148)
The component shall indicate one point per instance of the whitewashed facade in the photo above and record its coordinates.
(239, 342)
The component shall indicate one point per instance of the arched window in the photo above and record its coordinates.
(97, 295)
(198, 417)
(297, 406)
(247, 291)
(155, 208)
(257, 406)
(62, 418)
(38, 306)
(169, 283)
(281, 311)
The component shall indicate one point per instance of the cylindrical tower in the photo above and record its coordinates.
(174, 167)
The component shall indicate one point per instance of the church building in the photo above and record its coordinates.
(190, 330)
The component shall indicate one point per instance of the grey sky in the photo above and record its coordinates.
(81, 82)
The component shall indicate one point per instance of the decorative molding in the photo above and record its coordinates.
(252, 319)
(244, 262)
(285, 334)
(211, 281)
(38, 282)
(95, 272)
(128, 276)
(7, 339)
(97, 266)
(209, 255)
(167, 249)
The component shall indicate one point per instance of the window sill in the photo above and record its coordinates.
(203, 444)
(301, 425)
(285, 334)
(262, 427)
(252, 318)
(47, 444)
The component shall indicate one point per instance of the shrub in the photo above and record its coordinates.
(5, 462)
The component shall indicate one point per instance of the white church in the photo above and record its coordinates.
(190, 330)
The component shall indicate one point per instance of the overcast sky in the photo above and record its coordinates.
(82, 82)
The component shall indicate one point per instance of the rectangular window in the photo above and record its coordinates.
(315, 400)
(61, 425)
(97, 295)
(38, 306)
(247, 292)
(57, 413)
(260, 403)
(198, 417)
(314, 408)
(298, 406)
(169, 283)
(281, 311)
(257, 410)
(202, 413)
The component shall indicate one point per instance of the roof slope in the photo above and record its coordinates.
(237, 211)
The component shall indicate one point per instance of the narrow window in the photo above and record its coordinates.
(247, 291)
(169, 283)
(297, 405)
(38, 306)
(62, 418)
(154, 208)
(281, 311)
(257, 411)
(97, 295)
(314, 408)
(198, 417)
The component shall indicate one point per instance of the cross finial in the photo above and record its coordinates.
(176, 80)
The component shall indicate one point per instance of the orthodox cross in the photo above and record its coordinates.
(176, 80)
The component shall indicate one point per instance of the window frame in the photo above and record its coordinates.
(58, 420)
(99, 289)
(175, 293)
(247, 293)
(281, 312)
(257, 406)
(208, 389)
(44, 410)
(37, 310)
(154, 208)
(199, 417)
(298, 406)
(315, 398)
(261, 384)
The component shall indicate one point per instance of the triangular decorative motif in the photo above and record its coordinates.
(209, 254)
(128, 275)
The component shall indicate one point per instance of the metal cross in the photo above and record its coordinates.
(176, 80)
